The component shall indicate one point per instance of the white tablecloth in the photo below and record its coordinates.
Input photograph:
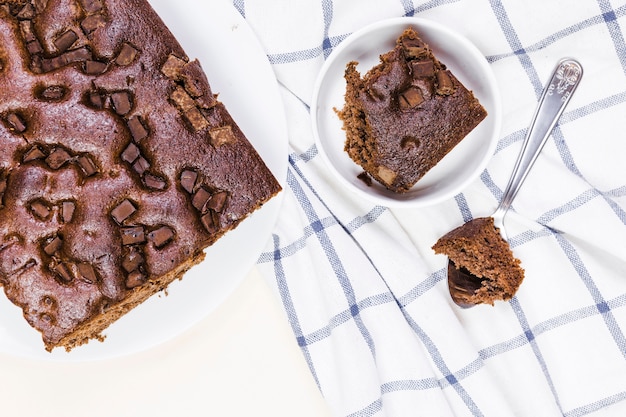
(365, 295)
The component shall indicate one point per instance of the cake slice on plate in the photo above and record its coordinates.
(405, 114)
(118, 164)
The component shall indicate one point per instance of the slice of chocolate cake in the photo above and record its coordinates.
(118, 165)
(483, 268)
(405, 114)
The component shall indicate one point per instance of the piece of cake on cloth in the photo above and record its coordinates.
(406, 113)
(118, 164)
(482, 267)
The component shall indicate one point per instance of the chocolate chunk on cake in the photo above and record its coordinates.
(118, 165)
(483, 268)
(405, 114)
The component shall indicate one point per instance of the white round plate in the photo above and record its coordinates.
(454, 172)
(239, 71)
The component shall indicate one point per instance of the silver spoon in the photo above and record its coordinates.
(554, 98)
(558, 92)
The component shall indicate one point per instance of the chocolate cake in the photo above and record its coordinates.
(482, 268)
(405, 114)
(118, 164)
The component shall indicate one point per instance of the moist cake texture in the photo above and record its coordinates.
(405, 114)
(118, 165)
(484, 269)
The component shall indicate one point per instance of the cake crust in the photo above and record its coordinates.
(405, 114)
(118, 165)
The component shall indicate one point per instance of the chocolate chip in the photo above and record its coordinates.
(57, 158)
(64, 41)
(137, 128)
(34, 47)
(222, 135)
(182, 99)
(123, 211)
(365, 177)
(16, 122)
(132, 260)
(135, 279)
(154, 182)
(40, 209)
(414, 48)
(210, 222)
(48, 65)
(133, 235)
(410, 98)
(188, 180)
(67, 211)
(48, 302)
(196, 119)
(194, 78)
(77, 55)
(127, 55)
(87, 165)
(28, 30)
(161, 236)
(92, 22)
(200, 198)
(122, 102)
(172, 66)
(445, 86)
(409, 41)
(217, 201)
(386, 175)
(33, 154)
(47, 318)
(131, 153)
(53, 245)
(415, 52)
(94, 67)
(92, 6)
(87, 273)
(141, 165)
(64, 272)
(409, 143)
(27, 12)
(51, 93)
(421, 69)
(96, 100)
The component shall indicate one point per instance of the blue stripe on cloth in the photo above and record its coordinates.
(240, 5)
(411, 10)
(333, 259)
(327, 9)
(530, 336)
(463, 207)
(596, 406)
(515, 44)
(439, 361)
(583, 273)
(610, 18)
(370, 410)
(290, 309)
(330, 42)
(559, 35)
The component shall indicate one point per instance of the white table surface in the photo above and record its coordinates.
(212, 369)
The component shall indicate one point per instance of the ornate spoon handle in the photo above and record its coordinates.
(555, 96)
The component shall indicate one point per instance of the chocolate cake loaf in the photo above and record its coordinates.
(118, 165)
(405, 114)
(483, 268)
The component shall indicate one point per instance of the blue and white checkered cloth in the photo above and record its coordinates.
(366, 296)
